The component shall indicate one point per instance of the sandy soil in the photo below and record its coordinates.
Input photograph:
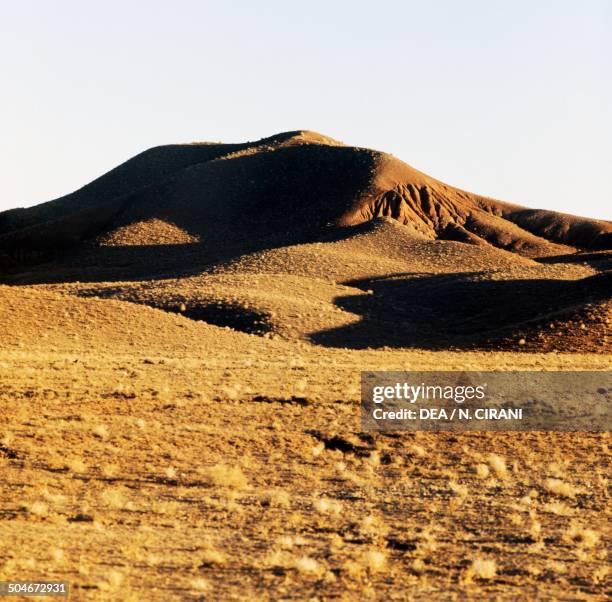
(147, 456)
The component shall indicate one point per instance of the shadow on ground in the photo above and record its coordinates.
(455, 310)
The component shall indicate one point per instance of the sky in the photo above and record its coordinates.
(510, 99)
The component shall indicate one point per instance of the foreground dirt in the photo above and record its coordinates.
(146, 456)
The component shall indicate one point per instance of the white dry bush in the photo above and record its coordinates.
(558, 508)
(114, 498)
(39, 509)
(484, 568)
(327, 506)
(458, 489)
(317, 449)
(230, 477)
(307, 565)
(199, 584)
(101, 431)
(75, 465)
(560, 488)
(211, 556)
(277, 498)
(482, 470)
(581, 536)
(498, 465)
(375, 561)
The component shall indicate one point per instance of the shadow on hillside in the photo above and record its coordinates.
(454, 310)
(600, 260)
(88, 263)
(278, 198)
(116, 263)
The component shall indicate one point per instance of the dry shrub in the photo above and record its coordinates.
(52, 498)
(39, 509)
(374, 459)
(353, 569)
(600, 575)
(230, 477)
(372, 526)
(580, 536)
(326, 506)
(482, 470)
(110, 470)
(276, 498)
(498, 465)
(482, 568)
(100, 431)
(114, 581)
(318, 449)
(199, 584)
(458, 489)
(308, 566)
(57, 555)
(559, 487)
(419, 450)
(75, 465)
(114, 498)
(375, 561)
(210, 556)
(558, 508)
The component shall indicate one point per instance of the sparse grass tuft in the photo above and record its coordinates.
(212, 557)
(230, 477)
(199, 584)
(326, 506)
(482, 470)
(558, 508)
(483, 568)
(276, 498)
(458, 489)
(76, 465)
(498, 465)
(561, 488)
(114, 498)
(100, 431)
(307, 565)
(582, 537)
(318, 449)
(39, 509)
(375, 561)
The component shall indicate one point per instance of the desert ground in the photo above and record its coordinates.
(181, 343)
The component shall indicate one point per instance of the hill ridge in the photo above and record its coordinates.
(293, 182)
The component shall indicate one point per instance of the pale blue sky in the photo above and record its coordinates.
(512, 99)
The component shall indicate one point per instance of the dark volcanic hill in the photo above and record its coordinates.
(291, 184)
